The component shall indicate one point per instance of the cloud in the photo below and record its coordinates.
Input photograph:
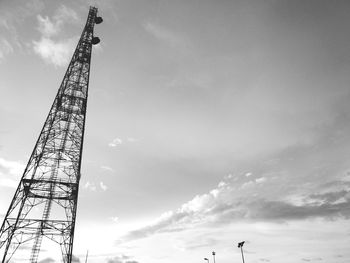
(103, 186)
(11, 17)
(115, 219)
(7, 182)
(4, 23)
(90, 186)
(57, 53)
(121, 259)
(115, 260)
(119, 141)
(107, 168)
(47, 260)
(165, 35)
(75, 259)
(230, 203)
(66, 14)
(329, 197)
(12, 168)
(10, 172)
(51, 27)
(115, 142)
(5, 48)
(46, 27)
(198, 242)
(131, 139)
(260, 180)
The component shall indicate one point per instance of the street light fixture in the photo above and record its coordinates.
(240, 245)
(206, 260)
(213, 253)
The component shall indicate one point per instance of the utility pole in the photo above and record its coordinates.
(240, 245)
(87, 254)
(213, 253)
(43, 210)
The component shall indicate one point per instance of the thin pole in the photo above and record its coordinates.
(242, 253)
(87, 253)
(214, 256)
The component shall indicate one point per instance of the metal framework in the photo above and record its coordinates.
(44, 206)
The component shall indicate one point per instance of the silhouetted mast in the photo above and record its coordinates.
(43, 209)
(87, 254)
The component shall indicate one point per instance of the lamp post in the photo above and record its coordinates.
(87, 253)
(240, 245)
(206, 259)
(213, 253)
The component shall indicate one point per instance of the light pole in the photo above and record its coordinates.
(240, 245)
(206, 260)
(213, 253)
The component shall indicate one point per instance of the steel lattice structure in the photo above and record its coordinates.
(44, 206)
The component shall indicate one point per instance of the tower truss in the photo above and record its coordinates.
(43, 210)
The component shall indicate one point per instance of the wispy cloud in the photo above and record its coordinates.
(4, 23)
(103, 186)
(260, 180)
(248, 174)
(118, 141)
(51, 27)
(47, 260)
(229, 203)
(75, 259)
(115, 219)
(13, 16)
(56, 52)
(10, 172)
(121, 259)
(8, 182)
(132, 139)
(90, 186)
(46, 27)
(107, 168)
(53, 52)
(115, 142)
(312, 259)
(66, 14)
(5, 48)
(166, 35)
(197, 242)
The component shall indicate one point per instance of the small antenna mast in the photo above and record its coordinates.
(87, 254)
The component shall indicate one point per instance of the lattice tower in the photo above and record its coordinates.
(43, 209)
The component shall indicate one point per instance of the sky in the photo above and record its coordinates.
(208, 123)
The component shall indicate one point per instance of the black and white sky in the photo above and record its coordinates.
(209, 122)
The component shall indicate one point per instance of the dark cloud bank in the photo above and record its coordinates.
(212, 210)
